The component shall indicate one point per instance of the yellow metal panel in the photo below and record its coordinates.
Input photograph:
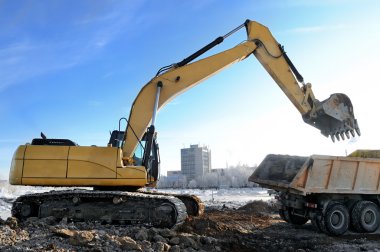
(135, 172)
(92, 162)
(19, 153)
(44, 161)
(83, 182)
(46, 152)
(15, 173)
(45, 168)
(86, 169)
(276, 66)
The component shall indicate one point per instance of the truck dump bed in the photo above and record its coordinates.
(319, 174)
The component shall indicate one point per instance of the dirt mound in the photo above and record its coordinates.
(47, 234)
(240, 230)
(243, 220)
(259, 207)
(278, 168)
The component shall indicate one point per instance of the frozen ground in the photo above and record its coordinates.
(231, 198)
(9, 192)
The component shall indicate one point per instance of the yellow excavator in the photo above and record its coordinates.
(131, 159)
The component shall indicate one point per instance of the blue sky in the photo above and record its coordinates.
(72, 68)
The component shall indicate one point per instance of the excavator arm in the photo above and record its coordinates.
(333, 117)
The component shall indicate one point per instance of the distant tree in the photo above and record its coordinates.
(192, 183)
(234, 176)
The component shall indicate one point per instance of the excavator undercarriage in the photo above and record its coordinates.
(111, 207)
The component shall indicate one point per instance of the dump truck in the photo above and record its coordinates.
(334, 192)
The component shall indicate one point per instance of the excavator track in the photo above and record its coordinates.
(194, 205)
(113, 207)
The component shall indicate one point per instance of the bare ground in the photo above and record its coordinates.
(257, 227)
(254, 227)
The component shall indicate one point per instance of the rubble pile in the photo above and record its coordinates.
(253, 227)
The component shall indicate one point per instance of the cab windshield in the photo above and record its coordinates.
(139, 153)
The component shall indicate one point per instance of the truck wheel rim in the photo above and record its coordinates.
(369, 217)
(337, 219)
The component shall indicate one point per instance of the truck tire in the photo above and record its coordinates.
(336, 219)
(317, 222)
(365, 217)
(321, 225)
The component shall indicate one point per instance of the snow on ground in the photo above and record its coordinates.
(10, 192)
(231, 197)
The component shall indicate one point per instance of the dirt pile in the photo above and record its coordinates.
(259, 208)
(252, 227)
(48, 235)
(278, 168)
(257, 227)
(244, 219)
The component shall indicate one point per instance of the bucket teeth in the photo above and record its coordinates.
(342, 135)
(337, 136)
(358, 131)
(333, 138)
(352, 133)
(347, 134)
(334, 117)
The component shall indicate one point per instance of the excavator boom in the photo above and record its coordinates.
(334, 116)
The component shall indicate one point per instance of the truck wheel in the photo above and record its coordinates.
(365, 217)
(321, 225)
(336, 219)
(318, 222)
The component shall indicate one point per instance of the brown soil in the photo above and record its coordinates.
(257, 227)
(253, 227)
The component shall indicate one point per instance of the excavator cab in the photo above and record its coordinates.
(146, 153)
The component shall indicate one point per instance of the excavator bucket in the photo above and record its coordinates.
(334, 117)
